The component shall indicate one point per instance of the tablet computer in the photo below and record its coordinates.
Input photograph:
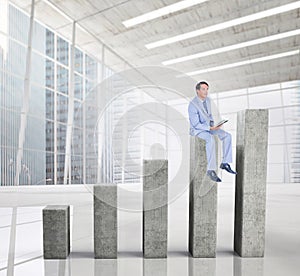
(221, 123)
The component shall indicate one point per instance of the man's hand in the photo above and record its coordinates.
(215, 127)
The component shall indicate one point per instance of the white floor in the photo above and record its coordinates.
(21, 235)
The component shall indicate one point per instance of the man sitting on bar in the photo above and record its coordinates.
(202, 126)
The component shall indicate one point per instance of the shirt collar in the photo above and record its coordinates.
(199, 99)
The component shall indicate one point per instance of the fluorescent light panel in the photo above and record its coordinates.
(225, 25)
(161, 12)
(250, 61)
(233, 47)
(58, 10)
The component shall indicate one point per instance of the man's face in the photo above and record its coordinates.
(203, 91)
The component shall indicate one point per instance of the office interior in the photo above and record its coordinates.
(89, 89)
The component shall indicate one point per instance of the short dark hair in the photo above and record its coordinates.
(199, 84)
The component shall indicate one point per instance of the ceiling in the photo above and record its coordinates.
(101, 22)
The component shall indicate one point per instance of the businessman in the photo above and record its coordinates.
(202, 126)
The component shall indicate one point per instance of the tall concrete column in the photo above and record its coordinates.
(56, 231)
(155, 210)
(250, 189)
(70, 122)
(25, 102)
(202, 203)
(105, 221)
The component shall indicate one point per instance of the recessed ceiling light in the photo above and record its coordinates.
(225, 25)
(233, 47)
(161, 12)
(250, 61)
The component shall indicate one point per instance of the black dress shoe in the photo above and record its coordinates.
(226, 166)
(213, 176)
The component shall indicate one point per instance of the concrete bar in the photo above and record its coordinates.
(155, 210)
(250, 188)
(202, 203)
(56, 231)
(105, 221)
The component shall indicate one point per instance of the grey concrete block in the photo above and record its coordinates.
(202, 203)
(105, 221)
(155, 208)
(250, 189)
(56, 231)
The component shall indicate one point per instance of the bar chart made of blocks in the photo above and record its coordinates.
(202, 203)
(250, 201)
(155, 208)
(250, 189)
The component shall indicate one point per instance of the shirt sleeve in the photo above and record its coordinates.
(194, 119)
